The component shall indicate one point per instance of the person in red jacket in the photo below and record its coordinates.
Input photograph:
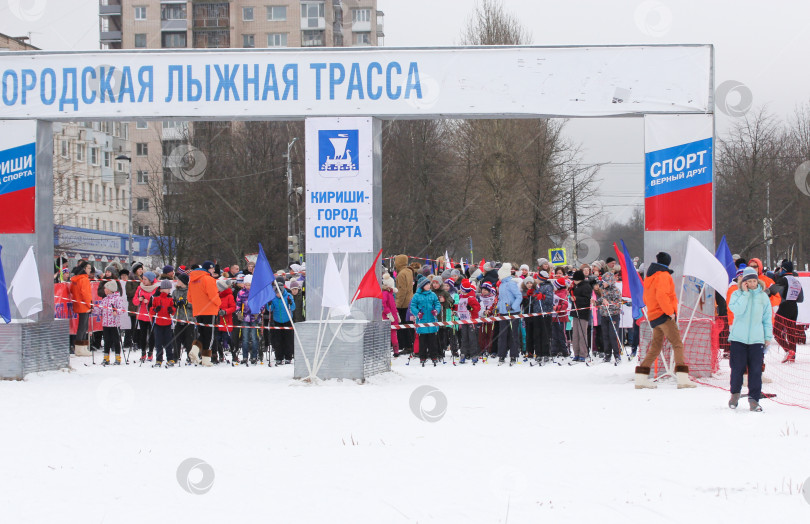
(227, 308)
(468, 309)
(162, 309)
(662, 305)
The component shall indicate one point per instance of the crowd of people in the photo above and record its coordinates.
(200, 309)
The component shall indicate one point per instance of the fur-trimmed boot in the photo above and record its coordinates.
(682, 375)
(206, 358)
(643, 378)
(82, 348)
(194, 354)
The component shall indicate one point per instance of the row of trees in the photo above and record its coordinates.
(507, 189)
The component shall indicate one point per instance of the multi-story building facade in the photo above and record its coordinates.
(178, 24)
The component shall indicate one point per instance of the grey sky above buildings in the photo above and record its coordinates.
(763, 45)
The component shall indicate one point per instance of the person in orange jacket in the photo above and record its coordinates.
(662, 305)
(227, 308)
(757, 264)
(82, 299)
(204, 299)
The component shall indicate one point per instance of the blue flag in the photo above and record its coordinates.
(723, 254)
(262, 289)
(5, 309)
(634, 281)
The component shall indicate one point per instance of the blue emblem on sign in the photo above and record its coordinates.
(338, 151)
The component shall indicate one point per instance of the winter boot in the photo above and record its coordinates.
(753, 405)
(106, 361)
(643, 378)
(682, 374)
(194, 354)
(206, 358)
(117, 360)
(734, 400)
(82, 349)
(789, 358)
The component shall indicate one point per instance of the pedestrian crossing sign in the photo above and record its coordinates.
(557, 256)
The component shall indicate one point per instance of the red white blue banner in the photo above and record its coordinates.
(678, 194)
(18, 177)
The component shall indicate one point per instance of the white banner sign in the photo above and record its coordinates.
(339, 212)
(253, 84)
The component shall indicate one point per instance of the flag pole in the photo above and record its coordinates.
(680, 296)
(337, 332)
(318, 338)
(700, 295)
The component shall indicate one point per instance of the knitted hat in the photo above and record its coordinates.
(455, 273)
(466, 286)
(166, 285)
(295, 267)
(248, 279)
(425, 270)
(281, 282)
(579, 276)
(739, 273)
(120, 273)
(609, 278)
(543, 275)
(295, 284)
(421, 282)
(608, 260)
(182, 277)
(389, 282)
(528, 280)
(223, 284)
(111, 286)
(487, 267)
(663, 258)
(749, 273)
(524, 266)
(150, 276)
(488, 287)
(558, 283)
(542, 261)
(505, 271)
(182, 269)
(207, 265)
(787, 265)
(135, 267)
(168, 269)
(447, 273)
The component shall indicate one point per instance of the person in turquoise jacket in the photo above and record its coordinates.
(282, 339)
(425, 307)
(751, 332)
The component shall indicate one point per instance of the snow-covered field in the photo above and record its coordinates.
(522, 444)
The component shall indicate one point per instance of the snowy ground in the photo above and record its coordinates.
(521, 444)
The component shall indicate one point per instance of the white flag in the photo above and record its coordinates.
(24, 288)
(344, 281)
(334, 296)
(701, 263)
(447, 260)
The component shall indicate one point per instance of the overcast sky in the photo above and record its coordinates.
(761, 44)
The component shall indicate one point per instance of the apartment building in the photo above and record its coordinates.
(178, 24)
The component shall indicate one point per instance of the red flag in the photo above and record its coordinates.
(623, 263)
(481, 265)
(370, 287)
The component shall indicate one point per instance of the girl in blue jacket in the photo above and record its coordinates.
(751, 331)
(425, 306)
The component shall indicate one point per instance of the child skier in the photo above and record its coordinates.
(425, 306)
(227, 308)
(162, 310)
(488, 300)
(559, 318)
(113, 305)
(146, 291)
(468, 309)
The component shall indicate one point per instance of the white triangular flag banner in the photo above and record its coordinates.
(701, 263)
(447, 263)
(344, 281)
(334, 296)
(24, 288)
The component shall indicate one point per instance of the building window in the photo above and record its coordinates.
(247, 14)
(311, 38)
(97, 223)
(175, 124)
(142, 204)
(362, 39)
(173, 12)
(140, 12)
(249, 41)
(212, 39)
(276, 13)
(107, 159)
(173, 40)
(141, 149)
(143, 231)
(65, 149)
(140, 40)
(94, 156)
(311, 13)
(80, 152)
(361, 15)
(141, 124)
(277, 40)
(124, 130)
(143, 177)
(98, 195)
